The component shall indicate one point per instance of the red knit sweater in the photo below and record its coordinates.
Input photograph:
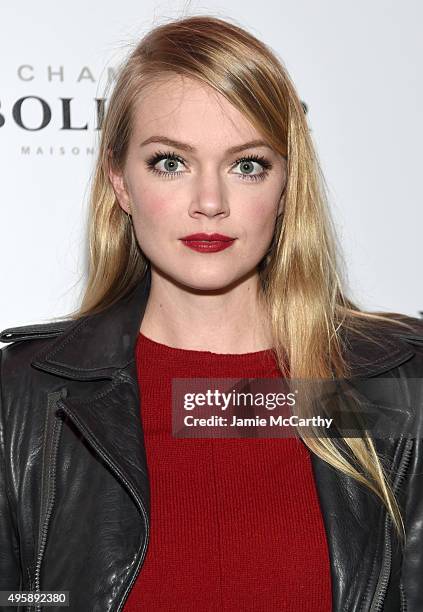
(235, 523)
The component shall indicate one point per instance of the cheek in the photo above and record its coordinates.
(260, 219)
(153, 209)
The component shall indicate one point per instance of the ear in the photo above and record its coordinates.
(119, 187)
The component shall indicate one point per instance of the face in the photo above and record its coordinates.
(199, 185)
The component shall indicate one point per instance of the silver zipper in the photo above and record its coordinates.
(403, 600)
(52, 431)
(138, 500)
(385, 571)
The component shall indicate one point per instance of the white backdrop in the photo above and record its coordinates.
(357, 65)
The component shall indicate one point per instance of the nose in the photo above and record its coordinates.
(209, 196)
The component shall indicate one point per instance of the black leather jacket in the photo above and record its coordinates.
(74, 487)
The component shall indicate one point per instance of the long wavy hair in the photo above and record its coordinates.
(302, 285)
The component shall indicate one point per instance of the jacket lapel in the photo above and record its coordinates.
(110, 421)
(97, 355)
(350, 517)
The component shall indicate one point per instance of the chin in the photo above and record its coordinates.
(203, 276)
(208, 280)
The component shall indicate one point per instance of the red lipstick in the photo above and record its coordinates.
(207, 243)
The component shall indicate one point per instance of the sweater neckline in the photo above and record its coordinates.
(164, 349)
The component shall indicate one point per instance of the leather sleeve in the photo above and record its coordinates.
(412, 566)
(10, 568)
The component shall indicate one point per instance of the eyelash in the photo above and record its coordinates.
(159, 156)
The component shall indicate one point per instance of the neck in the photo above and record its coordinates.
(229, 320)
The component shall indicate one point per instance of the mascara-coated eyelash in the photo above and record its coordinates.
(159, 156)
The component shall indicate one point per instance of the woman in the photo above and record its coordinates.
(212, 254)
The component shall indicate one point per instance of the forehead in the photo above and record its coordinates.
(191, 111)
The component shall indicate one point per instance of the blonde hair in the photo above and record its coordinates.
(300, 275)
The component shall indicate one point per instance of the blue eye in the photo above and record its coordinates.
(248, 164)
(171, 162)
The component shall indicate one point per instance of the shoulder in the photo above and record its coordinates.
(413, 338)
(23, 343)
(392, 328)
(35, 331)
(374, 346)
(410, 332)
(23, 387)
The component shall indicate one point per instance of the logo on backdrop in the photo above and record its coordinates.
(45, 106)
(52, 101)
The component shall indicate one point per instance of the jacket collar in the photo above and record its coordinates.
(95, 346)
(98, 345)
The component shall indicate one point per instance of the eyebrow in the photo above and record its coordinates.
(187, 147)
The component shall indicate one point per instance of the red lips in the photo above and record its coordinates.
(207, 243)
(203, 236)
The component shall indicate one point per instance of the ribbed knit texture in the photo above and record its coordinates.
(235, 523)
